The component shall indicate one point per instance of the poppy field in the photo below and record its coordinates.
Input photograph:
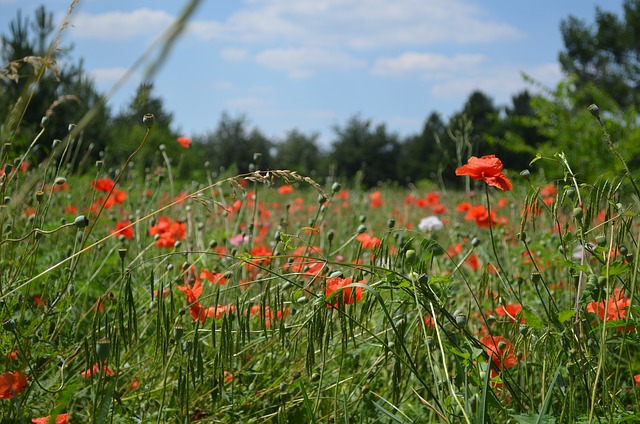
(130, 297)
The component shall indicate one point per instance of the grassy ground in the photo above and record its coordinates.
(268, 298)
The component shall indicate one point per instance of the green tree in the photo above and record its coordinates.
(128, 131)
(299, 152)
(605, 54)
(233, 145)
(422, 156)
(565, 124)
(38, 81)
(369, 152)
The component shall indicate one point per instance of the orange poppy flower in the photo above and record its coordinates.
(500, 351)
(96, 369)
(12, 382)
(285, 189)
(488, 169)
(103, 184)
(60, 419)
(510, 311)
(368, 241)
(351, 295)
(122, 228)
(376, 200)
(616, 309)
(184, 141)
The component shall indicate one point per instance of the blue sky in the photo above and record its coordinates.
(312, 64)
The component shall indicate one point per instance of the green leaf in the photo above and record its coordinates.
(566, 314)
(533, 419)
(533, 319)
(103, 410)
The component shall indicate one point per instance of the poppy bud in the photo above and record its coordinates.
(461, 319)
(361, 229)
(391, 223)
(578, 213)
(595, 111)
(526, 174)
(44, 121)
(330, 236)
(410, 256)
(335, 187)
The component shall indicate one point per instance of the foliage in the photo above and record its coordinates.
(606, 54)
(39, 80)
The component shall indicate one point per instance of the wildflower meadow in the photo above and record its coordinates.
(267, 297)
(132, 295)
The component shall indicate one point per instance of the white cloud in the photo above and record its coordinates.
(108, 75)
(305, 62)
(357, 24)
(427, 65)
(233, 54)
(500, 82)
(119, 25)
(250, 102)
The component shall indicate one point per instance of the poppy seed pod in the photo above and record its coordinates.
(148, 120)
(9, 324)
(103, 349)
(335, 187)
(594, 110)
(81, 221)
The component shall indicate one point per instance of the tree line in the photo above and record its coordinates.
(601, 61)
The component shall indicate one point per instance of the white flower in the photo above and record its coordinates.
(430, 223)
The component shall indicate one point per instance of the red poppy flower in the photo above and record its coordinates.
(285, 189)
(500, 351)
(184, 141)
(213, 277)
(637, 379)
(11, 383)
(481, 215)
(376, 200)
(96, 369)
(616, 309)
(122, 228)
(488, 169)
(368, 241)
(103, 184)
(193, 293)
(350, 294)
(60, 419)
(511, 311)
(169, 231)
